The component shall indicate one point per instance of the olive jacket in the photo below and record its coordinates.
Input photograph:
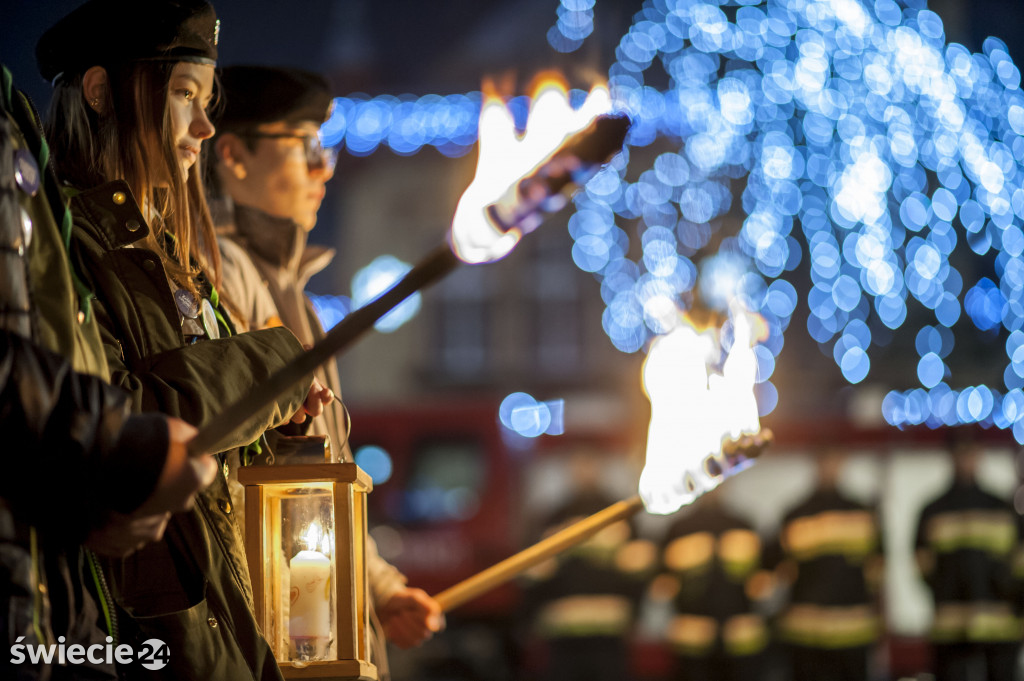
(192, 589)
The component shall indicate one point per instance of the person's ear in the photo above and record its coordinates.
(95, 88)
(230, 150)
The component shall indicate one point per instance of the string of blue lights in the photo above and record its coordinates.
(849, 134)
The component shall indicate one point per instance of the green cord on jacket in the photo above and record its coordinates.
(58, 205)
(37, 595)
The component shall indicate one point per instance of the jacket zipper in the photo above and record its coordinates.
(103, 595)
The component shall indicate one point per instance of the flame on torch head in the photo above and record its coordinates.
(506, 157)
(694, 410)
(739, 373)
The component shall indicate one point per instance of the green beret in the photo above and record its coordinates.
(265, 94)
(105, 32)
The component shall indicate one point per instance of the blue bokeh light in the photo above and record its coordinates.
(376, 462)
(376, 278)
(522, 414)
(575, 23)
(330, 309)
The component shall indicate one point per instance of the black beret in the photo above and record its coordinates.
(104, 32)
(266, 94)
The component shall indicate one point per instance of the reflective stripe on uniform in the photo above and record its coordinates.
(744, 635)
(993, 531)
(986, 622)
(849, 533)
(697, 635)
(830, 627)
(586, 615)
(692, 635)
(738, 551)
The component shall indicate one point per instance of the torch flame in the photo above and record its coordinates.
(506, 157)
(693, 410)
(739, 374)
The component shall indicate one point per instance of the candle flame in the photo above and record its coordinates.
(313, 536)
(327, 544)
(694, 409)
(506, 157)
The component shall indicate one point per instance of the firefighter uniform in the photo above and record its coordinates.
(582, 603)
(715, 632)
(967, 544)
(830, 551)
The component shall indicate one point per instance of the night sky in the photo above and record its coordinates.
(411, 46)
(393, 46)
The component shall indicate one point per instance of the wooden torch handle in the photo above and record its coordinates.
(738, 453)
(498, 574)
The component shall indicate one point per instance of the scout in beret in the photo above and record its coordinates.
(134, 84)
(107, 32)
(267, 153)
(271, 170)
(115, 66)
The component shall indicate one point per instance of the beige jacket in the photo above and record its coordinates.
(266, 264)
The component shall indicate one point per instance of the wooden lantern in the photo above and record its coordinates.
(305, 542)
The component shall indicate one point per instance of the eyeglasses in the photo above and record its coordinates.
(318, 157)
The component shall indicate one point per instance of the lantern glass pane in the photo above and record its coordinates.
(299, 565)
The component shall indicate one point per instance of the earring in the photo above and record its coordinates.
(239, 170)
(95, 103)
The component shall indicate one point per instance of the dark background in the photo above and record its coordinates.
(396, 46)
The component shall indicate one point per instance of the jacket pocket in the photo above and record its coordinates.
(200, 645)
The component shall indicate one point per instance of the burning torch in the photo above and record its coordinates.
(519, 180)
(704, 428)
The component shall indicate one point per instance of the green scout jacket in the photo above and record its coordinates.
(190, 590)
(69, 435)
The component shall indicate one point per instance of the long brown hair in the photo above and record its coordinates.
(91, 148)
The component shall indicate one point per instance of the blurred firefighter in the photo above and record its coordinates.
(968, 542)
(830, 556)
(583, 603)
(712, 561)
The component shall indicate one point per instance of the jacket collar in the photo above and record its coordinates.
(280, 242)
(113, 212)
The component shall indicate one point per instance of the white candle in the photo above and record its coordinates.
(309, 615)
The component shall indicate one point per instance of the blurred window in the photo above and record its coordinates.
(446, 483)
